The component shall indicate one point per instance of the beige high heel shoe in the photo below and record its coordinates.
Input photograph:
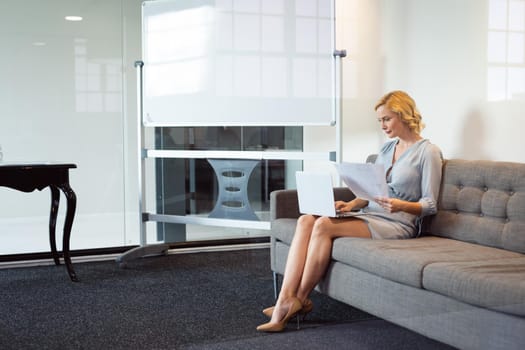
(295, 307)
(308, 306)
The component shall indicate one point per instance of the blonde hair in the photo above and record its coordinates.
(404, 106)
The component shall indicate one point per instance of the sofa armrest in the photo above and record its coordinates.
(343, 194)
(284, 203)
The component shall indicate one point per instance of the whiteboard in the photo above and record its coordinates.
(238, 62)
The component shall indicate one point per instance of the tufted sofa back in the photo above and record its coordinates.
(482, 202)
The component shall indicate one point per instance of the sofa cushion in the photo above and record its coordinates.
(497, 284)
(404, 260)
(482, 202)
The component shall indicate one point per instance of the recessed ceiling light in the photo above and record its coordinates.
(39, 43)
(73, 18)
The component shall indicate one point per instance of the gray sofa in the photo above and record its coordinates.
(461, 282)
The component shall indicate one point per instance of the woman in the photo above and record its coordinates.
(413, 173)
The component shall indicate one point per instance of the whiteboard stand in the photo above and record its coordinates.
(144, 249)
(161, 249)
(338, 111)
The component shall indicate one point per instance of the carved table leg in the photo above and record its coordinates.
(55, 200)
(70, 214)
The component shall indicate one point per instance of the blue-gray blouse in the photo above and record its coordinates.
(414, 177)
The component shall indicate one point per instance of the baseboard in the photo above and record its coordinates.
(111, 253)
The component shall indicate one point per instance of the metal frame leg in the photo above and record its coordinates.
(275, 284)
(141, 252)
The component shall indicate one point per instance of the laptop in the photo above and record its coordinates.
(316, 194)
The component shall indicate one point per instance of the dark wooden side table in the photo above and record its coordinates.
(28, 177)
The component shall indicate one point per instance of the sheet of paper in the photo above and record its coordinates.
(366, 180)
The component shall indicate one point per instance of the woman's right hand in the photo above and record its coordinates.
(354, 204)
(343, 206)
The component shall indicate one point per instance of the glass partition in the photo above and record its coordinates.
(237, 189)
(67, 96)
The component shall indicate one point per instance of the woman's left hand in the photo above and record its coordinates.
(391, 205)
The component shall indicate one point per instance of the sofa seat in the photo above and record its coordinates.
(404, 260)
(479, 275)
(497, 284)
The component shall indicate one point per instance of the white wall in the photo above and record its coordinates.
(357, 33)
(445, 66)
(439, 52)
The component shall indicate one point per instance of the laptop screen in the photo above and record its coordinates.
(315, 193)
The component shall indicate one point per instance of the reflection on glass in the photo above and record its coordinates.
(323, 78)
(272, 7)
(177, 47)
(517, 15)
(97, 81)
(179, 43)
(516, 85)
(224, 75)
(306, 43)
(223, 30)
(243, 67)
(496, 79)
(515, 51)
(251, 6)
(324, 30)
(506, 50)
(274, 82)
(272, 38)
(498, 14)
(247, 32)
(304, 84)
(217, 51)
(497, 47)
(306, 8)
(190, 77)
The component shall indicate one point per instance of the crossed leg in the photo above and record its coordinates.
(310, 254)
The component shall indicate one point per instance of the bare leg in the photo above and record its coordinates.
(297, 256)
(319, 253)
(309, 256)
(294, 265)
